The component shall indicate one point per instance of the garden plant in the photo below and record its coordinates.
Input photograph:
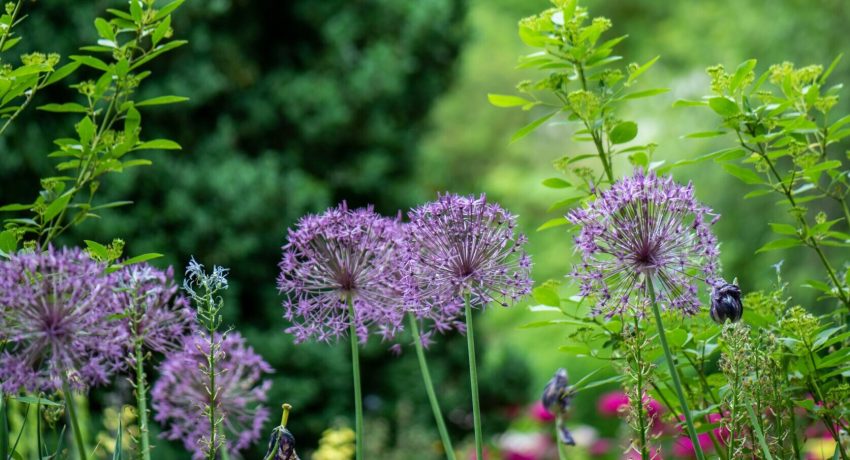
(705, 369)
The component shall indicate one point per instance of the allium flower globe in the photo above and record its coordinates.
(55, 318)
(164, 316)
(335, 256)
(465, 245)
(645, 228)
(181, 392)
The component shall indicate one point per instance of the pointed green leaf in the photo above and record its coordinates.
(623, 132)
(783, 243)
(748, 176)
(529, 128)
(58, 205)
(158, 144)
(506, 100)
(72, 107)
(723, 106)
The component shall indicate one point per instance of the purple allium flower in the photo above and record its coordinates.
(180, 394)
(644, 228)
(56, 312)
(463, 245)
(338, 255)
(156, 312)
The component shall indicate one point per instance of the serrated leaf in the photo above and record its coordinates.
(529, 128)
(783, 243)
(623, 132)
(161, 100)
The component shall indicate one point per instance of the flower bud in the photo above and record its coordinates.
(282, 443)
(726, 303)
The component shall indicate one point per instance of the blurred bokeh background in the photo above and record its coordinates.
(298, 104)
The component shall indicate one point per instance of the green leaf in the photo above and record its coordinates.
(161, 100)
(641, 69)
(58, 205)
(72, 107)
(723, 106)
(552, 223)
(91, 61)
(623, 132)
(705, 134)
(132, 121)
(142, 258)
(136, 10)
(167, 9)
(529, 128)
(34, 400)
(783, 243)
(8, 242)
(158, 144)
(687, 103)
(554, 182)
(85, 128)
(646, 93)
(831, 67)
(748, 176)
(98, 250)
(16, 207)
(161, 30)
(546, 296)
(740, 73)
(104, 30)
(784, 229)
(505, 100)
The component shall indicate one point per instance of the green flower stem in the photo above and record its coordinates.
(644, 451)
(72, 416)
(4, 428)
(211, 454)
(662, 336)
(562, 449)
(358, 397)
(473, 382)
(142, 403)
(429, 388)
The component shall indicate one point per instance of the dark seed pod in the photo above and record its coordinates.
(282, 443)
(726, 303)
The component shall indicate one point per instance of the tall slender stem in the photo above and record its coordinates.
(211, 454)
(72, 416)
(644, 451)
(473, 382)
(355, 368)
(429, 388)
(142, 402)
(677, 384)
(4, 428)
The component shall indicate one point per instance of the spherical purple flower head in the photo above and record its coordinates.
(55, 316)
(338, 255)
(180, 394)
(644, 228)
(163, 315)
(463, 245)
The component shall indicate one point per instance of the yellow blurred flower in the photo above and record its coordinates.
(336, 444)
(820, 449)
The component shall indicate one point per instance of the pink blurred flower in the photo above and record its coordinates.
(525, 446)
(540, 413)
(683, 447)
(600, 447)
(610, 404)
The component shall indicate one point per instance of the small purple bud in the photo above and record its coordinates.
(557, 395)
(282, 443)
(726, 303)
